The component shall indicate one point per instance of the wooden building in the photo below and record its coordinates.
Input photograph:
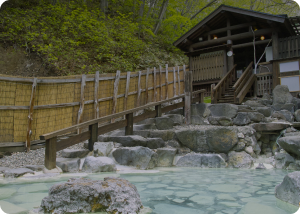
(221, 51)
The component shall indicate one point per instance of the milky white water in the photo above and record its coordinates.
(173, 191)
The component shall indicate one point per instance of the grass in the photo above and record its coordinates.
(207, 99)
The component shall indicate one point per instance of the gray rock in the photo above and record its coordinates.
(222, 121)
(183, 150)
(223, 110)
(266, 111)
(197, 120)
(239, 160)
(266, 96)
(239, 147)
(68, 164)
(281, 95)
(288, 115)
(193, 139)
(256, 117)
(154, 143)
(98, 164)
(297, 115)
(241, 107)
(128, 141)
(278, 116)
(290, 144)
(213, 120)
(163, 134)
(165, 157)
(200, 109)
(14, 173)
(2, 169)
(81, 195)
(103, 148)
(139, 157)
(260, 166)
(260, 127)
(148, 121)
(241, 119)
(176, 111)
(144, 127)
(177, 118)
(296, 102)
(72, 153)
(202, 160)
(289, 189)
(221, 139)
(288, 106)
(249, 150)
(224, 156)
(173, 143)
(164, 123)
(283, 160)
(265, 102)
(253, 103)
(36, 168)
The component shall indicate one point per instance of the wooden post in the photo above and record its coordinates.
(275, 43)
(178, 71)
(147, 79)
(174, 82)
(160, 83)
(30, 116)
(154, 85)
(129, 127)
(81, 108)
(212, 94)
(230, 59)
(93, 135)
(50, 153)
(158, 111)
(96, 107)
(115, 97)
(126, 90)
(167, 83)
(188, 84)
(139, 90)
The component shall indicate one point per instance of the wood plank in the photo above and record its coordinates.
(158, 111)
(126, 91)
(50, 153)
(30, 114)
(96, 107)
(139, 90)
(93, 128)
(234, 27)
(160, 83)
(178, 73)
(144, 116)
(167, 85)
(81, 108)
(115, 98)
(129, 125)
(172, 107)
(111, 127)
(154, 85)
(147, 80)
(174, 80)
(188, 97)
(65, 143)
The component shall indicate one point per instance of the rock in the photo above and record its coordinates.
(200, 109)
(173, 143)
(164, 123)
(265, 102)
(256, 117)
(222, 121)
(197, 120)
(278, 116)
(282, 160)
(148, 121)
(165, 157)
(103, 148)
(2, 169)
(139, 157)
(163, 134)
(290, 144)
(213, 120)
(288, 115)
(266, 111)
(72, 153)
(249, 150)
(221, 139)
(253, 103)
(183, 150)
(239, 160)
(281, 95)
(193, 139)
(177, 118)
(224, 156)
(241, 136)
(289, 189)
(266, 96)
(260, 127)
(296, 102)
(81, 195)
(297, 115)
(68, 164)
(202, 160)
(35, 167)
(14, 173)
(56, 170)
(176, 111)
(288, 106)
(98, 164)
(261, 166)
(223, 110)
(154, 143)
(241, 119)
(239, 147)
(144, 127)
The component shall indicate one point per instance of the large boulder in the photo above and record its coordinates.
(74, 153)
(289, 189)
(14, 173)
(164, 123)
(239, 160)
(221, 139)
(165, 156)
(68, 164)
(223, 110)
(288, 115)
(288, 106)
(297, 115)
(253, 103)
(193, 139)
(139, 157)
(197, 120)
(98, 164)
(202, 160)
(177, 118)
(256, 117)
(260, 127)
(163, 134)
(290, 144)
(200, 109)
(103, 148)
(266, 111)
(222, 121)
(241, 119)
(281, 95)
(283, 160)
(81, 195)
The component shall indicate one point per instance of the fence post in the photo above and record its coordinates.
(50, 153)
(139, 90)
(154, 85)
(212, 93)
(167, 83)
(158, 111)
(126, 90)
(178, 71)
(160, 83)
(174, 82)
(147, 80)
(129, 127)
(81, 108)
(93, 135)
(30, 116)
(96, 107)
(188, 84)
(115, 97)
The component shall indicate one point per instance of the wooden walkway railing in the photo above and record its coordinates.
(52, 145)
(264, 83)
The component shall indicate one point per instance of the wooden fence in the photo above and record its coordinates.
(30, 107)
(264, 83)
(289, 47)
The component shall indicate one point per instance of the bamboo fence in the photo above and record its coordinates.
(30, 107)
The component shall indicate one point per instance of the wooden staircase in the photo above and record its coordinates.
(233, 90)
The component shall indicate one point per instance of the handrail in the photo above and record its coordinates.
(243, 75)
(224, 78)
(264, 74)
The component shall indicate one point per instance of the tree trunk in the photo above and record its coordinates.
(203, 8)
(161, 15)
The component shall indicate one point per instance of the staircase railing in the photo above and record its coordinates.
(224, 83)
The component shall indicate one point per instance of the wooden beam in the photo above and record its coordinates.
(50, 153)
(158, 111)
(129, 126)
(65, 143)
(147, 80)
(96, 107)
(111, 127)
(167, 85)
(30, 116)
(81, 108)
(234, 27)
(275, 45)
(251, 44)
(228, 26)
(188, 86)
(178, 73)
(160, 83)
(174, 80)
(139, 90)
(154, 85)
(93, 136)
(126, 91)
(115, 98)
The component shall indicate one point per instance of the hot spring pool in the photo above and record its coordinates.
(174, 191)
